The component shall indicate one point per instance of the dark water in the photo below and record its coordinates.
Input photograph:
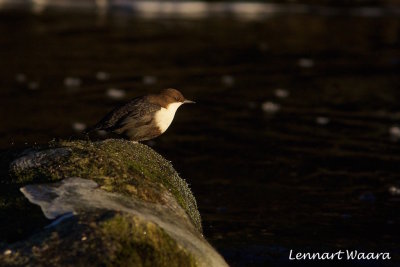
(320, 174)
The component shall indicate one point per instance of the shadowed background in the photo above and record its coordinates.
(294, 142)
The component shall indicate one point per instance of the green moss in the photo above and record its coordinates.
(102, 238)
(137, 240)
(117, 166)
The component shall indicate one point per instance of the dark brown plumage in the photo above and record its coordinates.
(144, 117)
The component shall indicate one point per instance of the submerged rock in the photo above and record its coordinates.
(118, 204)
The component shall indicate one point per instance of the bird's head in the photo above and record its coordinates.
(173, 96)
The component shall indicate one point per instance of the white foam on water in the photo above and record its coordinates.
(33, 86)
(394, 131)
(149, 80)
(79, 126)
(201, 9)
(228, 80)
(270, 107)
(38, 6)
(394, 191)
(115, 93)
(20, 77)
(322, 120)
(72, 82)
(102, 76)
(305, 63)
(281, 93)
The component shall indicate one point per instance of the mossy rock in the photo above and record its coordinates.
(117, 165)
(154, 219)
(105, 238)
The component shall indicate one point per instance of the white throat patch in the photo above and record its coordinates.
(164, 116)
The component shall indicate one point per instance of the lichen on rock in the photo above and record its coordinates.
(128, 207)
(116, 165)
(105, 238)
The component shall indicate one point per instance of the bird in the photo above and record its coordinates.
(144, 117)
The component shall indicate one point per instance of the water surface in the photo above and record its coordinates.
(317, 172)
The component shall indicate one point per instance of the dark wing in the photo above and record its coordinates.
(136, 108)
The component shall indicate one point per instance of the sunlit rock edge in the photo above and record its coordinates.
(147, 197)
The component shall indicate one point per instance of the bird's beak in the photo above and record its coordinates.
(188, 102)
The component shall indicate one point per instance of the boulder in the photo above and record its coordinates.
(107, 203)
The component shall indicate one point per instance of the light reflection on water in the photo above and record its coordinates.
(202, 9)
(317, 172)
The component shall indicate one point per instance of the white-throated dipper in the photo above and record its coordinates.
(144, 117)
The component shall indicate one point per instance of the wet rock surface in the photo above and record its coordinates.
(102, 238)
(116, 203)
